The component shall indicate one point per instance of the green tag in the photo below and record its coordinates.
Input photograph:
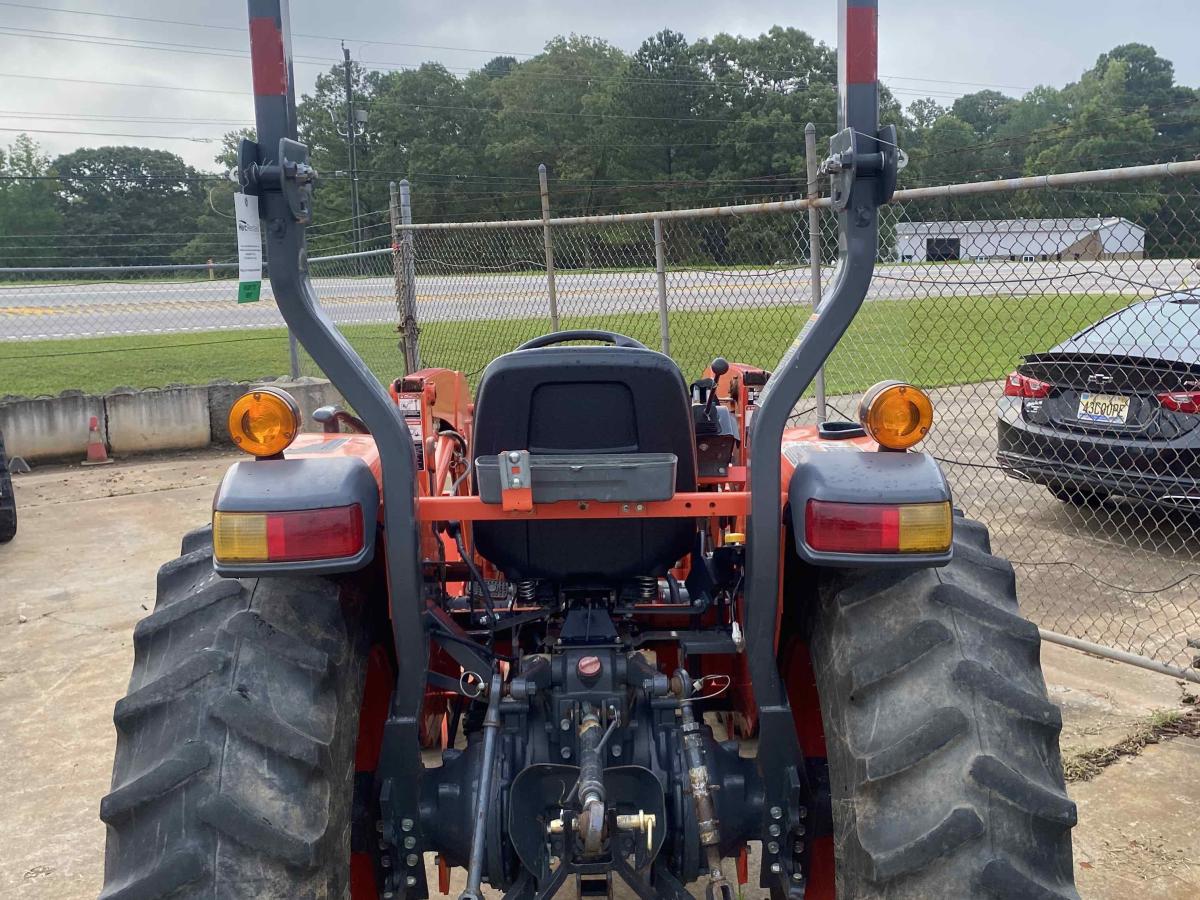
(249, 291)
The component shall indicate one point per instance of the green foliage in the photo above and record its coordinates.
(30, 222)
(128, 201)
(674, 124)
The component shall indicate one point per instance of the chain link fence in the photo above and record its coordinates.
(98, 328)
(1055, 322)
(1057, 329)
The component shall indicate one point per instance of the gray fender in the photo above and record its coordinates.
(842, 474)
(286, 485)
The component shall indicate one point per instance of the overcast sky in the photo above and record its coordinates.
(958, 45)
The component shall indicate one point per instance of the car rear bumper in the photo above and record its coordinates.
(1163, 473)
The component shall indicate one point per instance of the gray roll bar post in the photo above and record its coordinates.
(276, 169)
(862, 169)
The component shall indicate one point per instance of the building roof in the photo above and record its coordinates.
(1016, 226)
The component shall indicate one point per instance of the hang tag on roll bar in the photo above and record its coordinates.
(249, 243)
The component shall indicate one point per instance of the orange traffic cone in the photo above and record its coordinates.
(97, 453)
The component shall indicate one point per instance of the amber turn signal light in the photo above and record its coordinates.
(895, 415)
(264, 422)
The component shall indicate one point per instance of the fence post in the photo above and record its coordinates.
(548, 240)
(404, 274)
(293, 355)
(814, 250)
(660, 268)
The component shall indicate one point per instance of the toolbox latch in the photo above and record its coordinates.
(516, 481)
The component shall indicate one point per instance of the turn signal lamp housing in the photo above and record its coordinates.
(878, 528)
(264, 421)
(895, 415)
(293, 536)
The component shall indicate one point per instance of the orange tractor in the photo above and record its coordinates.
(596, 628)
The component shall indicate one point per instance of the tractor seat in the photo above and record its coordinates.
(586, 401)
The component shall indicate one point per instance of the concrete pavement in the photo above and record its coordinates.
(81, 573)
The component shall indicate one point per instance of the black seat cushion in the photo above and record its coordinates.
(572, 399)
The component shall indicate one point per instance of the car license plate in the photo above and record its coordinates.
(1106, 409)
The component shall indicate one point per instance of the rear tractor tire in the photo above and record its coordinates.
(8, 500)
(942, 746)
(235, 759)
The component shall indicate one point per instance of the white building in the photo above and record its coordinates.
(1019, 240)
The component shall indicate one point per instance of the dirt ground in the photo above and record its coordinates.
(81, 573)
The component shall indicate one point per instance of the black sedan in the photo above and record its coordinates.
(1113, 411)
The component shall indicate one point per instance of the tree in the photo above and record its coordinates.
(772, 85)
(320, 116)
(666, 130)
(1103, 131)
(426, 127)
(551, 109)
(134, 204)
(30, 223)
(985, 111)
(924, 112)
(215, 236)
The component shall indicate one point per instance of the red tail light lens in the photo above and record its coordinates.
(1018, 385)
(1180, 401)
(878, 528)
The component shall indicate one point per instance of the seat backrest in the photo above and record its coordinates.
(586, 400)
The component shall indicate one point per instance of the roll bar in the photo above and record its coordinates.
(862, 167)
(276, 169)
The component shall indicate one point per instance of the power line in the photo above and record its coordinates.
(159, 137)
(125, 84)
(242, 29)
(324, 37)
(141, 44)
(147, 44)
(97, 117)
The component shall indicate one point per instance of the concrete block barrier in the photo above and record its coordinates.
(140, 421)
(50, 427)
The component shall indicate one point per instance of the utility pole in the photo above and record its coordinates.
(353, 123)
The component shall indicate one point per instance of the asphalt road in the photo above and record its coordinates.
(35, 312)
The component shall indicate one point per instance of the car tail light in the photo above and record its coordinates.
(296, 536)
(1018, 385)
(1180, 401)
(878, 528)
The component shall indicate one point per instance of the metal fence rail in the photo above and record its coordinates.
(972, 279)
(1024, 265)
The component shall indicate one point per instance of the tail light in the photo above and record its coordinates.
(1180, 401)
(1018, 385)
(878, 528)
(245, 537)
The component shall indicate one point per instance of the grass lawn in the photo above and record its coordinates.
(931, 341)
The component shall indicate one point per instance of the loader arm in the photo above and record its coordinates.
(276, 169)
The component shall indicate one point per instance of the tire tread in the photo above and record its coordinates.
(942, 743)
